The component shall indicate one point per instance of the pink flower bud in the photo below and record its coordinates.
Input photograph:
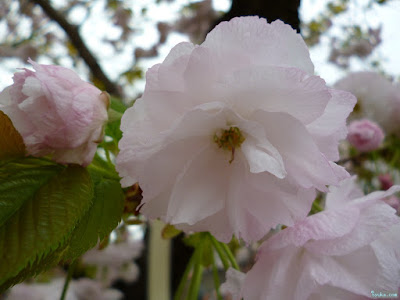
(56, 113)
(365, 135)
(386, 181)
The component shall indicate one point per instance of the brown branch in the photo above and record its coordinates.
(363, 156)
(75, 38)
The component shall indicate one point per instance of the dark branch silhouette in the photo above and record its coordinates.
(285, 10)
(75, 38)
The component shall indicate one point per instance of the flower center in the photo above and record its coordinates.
(230, 139)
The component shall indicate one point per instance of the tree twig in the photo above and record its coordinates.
(75, 38)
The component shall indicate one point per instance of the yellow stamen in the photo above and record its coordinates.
(230, 139)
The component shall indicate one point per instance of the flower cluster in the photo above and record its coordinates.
(235, 137)
(347, 250)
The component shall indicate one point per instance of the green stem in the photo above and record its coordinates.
(230, 255)
(104, 172)
(395, 158)
(182, 283)
(71, 268)
(220, 251)
(216, 278)
(197, 274)
(114, 115)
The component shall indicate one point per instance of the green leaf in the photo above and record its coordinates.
(39, 265)
(102, 217)
(50, 200)
(19, 182)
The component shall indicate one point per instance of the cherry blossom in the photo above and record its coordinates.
(234, 135)
(56, 113)
(365, 135)
(378, 99)
(343, 252)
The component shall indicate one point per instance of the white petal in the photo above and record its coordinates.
(254, 40)
(260, 160)
(341, 195)
(200, 190)
(302, 158)
(330, 128)
(277, 89)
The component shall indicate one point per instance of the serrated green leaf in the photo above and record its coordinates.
(11, 143)
(36, 267)
(19, 181)
(113, 128)
(44, 221)
(102, 217)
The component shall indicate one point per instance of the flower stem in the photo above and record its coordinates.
(71, 268)
(197, 275)
(230, 255)
(216, 278)
(104, 172)
(182, 283)
(220, 251)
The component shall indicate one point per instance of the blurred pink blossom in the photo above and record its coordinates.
(233, 136)
(386, 181)
(56, 113)
(378, 99)
(80, 289)
(115, 261)
(347, 250)
(365, 135)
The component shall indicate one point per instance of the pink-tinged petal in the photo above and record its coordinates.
(342, 194)
(365, 135)
(253, 40)
(179, 153)
(268, 200)
(198, 193)
(233, 283)
(171, 71)
(260, 160)
(378, 98)
(276, 89)
(371, 222)
(56, 113)
(387, 251)
(248, 223)
(200, 73)
(343, 252)
(323, 226)
(330, 128)
(217, 224)
(303, 160)
(269, 277)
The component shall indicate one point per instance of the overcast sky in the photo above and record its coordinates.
(387, 15)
